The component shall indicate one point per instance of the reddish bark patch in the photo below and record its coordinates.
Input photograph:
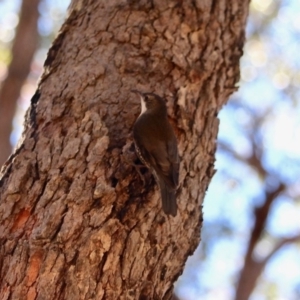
(21, 219)
(33, 268)
(31, 295)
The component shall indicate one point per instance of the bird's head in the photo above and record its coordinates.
(151, 102)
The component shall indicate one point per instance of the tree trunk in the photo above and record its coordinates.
(77, 222)
(24, 46)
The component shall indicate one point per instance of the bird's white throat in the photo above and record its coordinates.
(143, 106)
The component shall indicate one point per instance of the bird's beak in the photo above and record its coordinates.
(137, 92)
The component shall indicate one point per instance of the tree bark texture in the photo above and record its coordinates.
(24, 46)
(76, 220)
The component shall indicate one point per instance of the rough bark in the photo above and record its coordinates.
(24, 46)
(77, 222)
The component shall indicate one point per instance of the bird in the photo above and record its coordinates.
(156, 146)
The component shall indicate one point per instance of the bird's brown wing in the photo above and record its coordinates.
(164, 165)
(174, 159)
(158, 151)
(164, 160)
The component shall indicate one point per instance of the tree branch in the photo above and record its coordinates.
(23, 49)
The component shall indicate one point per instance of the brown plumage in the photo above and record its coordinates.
(156, 146)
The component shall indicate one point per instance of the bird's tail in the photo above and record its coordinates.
(168, 198)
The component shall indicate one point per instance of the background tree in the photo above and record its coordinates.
(76, 221)
(23, 49)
